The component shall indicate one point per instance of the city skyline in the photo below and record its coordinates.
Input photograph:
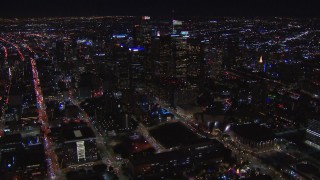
(159, 90)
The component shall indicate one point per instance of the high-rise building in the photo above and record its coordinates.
(60, 51)
(196, 71)
(143, 34)
(180, 59)
(137, 66)
(163, 54)
(313, 133)
(147, 31)
(129, 65)
(230, 52)
(121, 65)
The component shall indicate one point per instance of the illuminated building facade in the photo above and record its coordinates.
(313, 133)
(180, 50)
(79, 147)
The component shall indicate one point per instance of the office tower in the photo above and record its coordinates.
(196, 71)
(121, 65)
(313, 133)
(137, 67)
(230, 52)
(60, 51)
(180, 56)
(163, 54)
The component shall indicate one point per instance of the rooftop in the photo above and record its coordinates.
(254, 132)
(175, 134)
(77, 134)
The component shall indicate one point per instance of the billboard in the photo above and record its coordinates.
(119, 36)
(135, 49)
(145, 17)
(177, 23)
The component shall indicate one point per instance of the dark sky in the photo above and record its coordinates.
(39, 8)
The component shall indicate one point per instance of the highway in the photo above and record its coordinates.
(8, 85)
(14, 45)
(5, 53)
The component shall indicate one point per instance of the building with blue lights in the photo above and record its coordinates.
(20, 161)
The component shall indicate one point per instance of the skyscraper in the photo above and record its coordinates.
(137, 66)
(121, 65)
(313, 133)
(60, 54)
(163, 54)
(230, 52)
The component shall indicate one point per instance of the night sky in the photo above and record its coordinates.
(39, 8)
